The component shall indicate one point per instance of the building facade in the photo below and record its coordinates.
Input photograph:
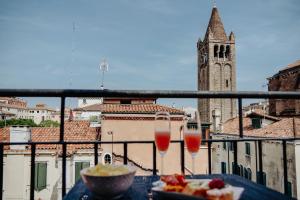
(272, 152)
(216, 71)
(287, 79)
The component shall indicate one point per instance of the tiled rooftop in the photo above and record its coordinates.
(285, 127)
(130, 108)
(74, 131)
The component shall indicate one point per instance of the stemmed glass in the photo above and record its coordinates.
(162, 134)
(192, 136)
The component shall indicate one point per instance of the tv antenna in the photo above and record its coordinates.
(103, 68)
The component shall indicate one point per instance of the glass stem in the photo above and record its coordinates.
(162, 165)
(193, 164)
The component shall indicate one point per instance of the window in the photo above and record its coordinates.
(227, 52)
(37, 111)
(221, 52)
(40, 176)
(223, 167)
(216, 48)
(230, 144)
(224, 145)
(256, 123)
(203, 132)
(107, 159)
(264, 178)
(241, 170)
(84, 101)
(249, 174)
(78, 167)
(289, 189)
(227, 83)
(247, 150)
(245, 173)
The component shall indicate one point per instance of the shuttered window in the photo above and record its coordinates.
(78, 167)
(256, 123)
(224, 145)
(289, 189)
(223, 167)
(247, 148)
(40, 176)
(264, 178)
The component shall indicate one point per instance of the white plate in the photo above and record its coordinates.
(158, 190)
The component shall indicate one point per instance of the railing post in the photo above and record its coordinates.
(62, 119)
(64, 145)
(154, 158)
(235, 154)
(1, 170)
(240, 106)
(285, 171)
(209, 156)
(261, 178)
(182, 156)
(125, 153)
(32, 171)
(64, 174)
(96, 153)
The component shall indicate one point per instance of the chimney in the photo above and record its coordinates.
(19, 134)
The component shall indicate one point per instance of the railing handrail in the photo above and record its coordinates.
(151, 141)
(147, 93)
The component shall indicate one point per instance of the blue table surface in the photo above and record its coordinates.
(142, 186)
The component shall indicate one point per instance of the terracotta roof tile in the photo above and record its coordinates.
(130, 108)
(74, 131)
(286, 127)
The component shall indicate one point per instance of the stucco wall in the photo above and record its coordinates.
(272, 162)
(131, 130)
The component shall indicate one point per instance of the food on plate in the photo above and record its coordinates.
(214, 189)
(107, 170)
(174, 183)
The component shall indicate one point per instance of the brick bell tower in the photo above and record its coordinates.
(216, 72)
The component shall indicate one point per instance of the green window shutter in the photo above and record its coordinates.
(40, 176)
(256, 123)
(224, 145)
(78, 167)
(36, 176)
(85, 165)
(42, 179)
(289, 191)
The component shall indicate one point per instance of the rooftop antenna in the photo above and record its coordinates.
(103, 68)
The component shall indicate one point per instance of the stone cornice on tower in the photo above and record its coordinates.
(215, 28)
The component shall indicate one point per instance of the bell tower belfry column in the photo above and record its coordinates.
(216, 70)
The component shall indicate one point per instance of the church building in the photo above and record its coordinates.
(216, 72)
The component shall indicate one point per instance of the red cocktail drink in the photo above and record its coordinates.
(192, 142)
(162, 140)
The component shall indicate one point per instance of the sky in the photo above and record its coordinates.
(148, 44)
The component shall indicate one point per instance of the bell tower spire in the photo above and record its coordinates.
(216, 71)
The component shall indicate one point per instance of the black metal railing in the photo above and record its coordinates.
(63, 94)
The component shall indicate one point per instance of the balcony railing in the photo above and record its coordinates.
(63, 94)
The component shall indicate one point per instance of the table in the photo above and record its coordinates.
(142, 186)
